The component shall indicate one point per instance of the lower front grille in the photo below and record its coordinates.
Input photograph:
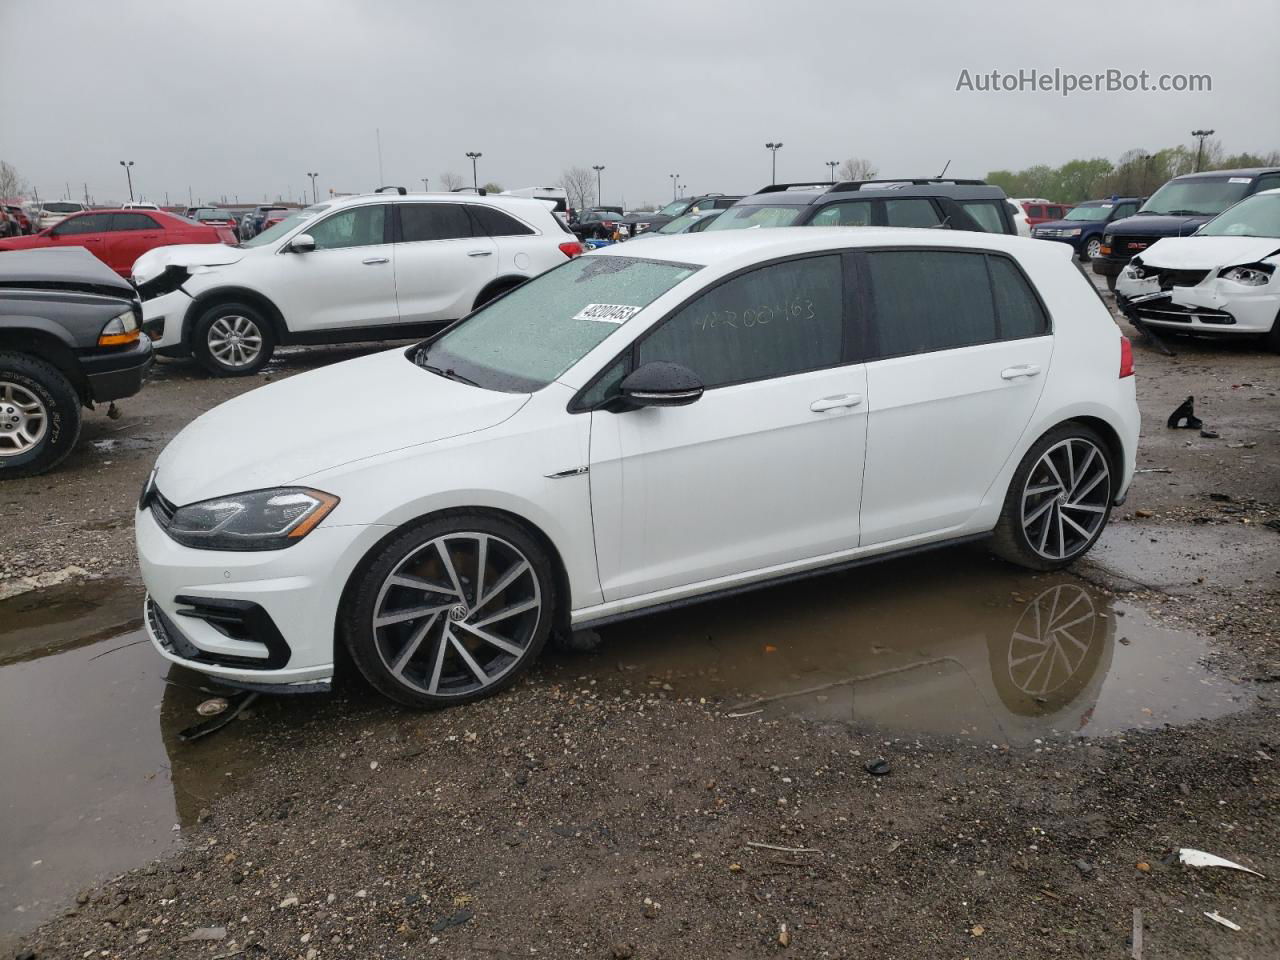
(1175, 278)
(239, 620)
(1166, 312)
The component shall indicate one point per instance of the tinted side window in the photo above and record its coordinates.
(357, 227)
(856, 213)
(1124, 210)
(778, 320)
(1268, 181)
(496, 223)
(986, 213)
(1017, 310)
(434, 221)
(910, 212)
(1035, 210)
(89, 223)
(133, 221)
(929, 300)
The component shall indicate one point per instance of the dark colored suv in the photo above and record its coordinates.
(70, 336)
(640, 222)
(1085, 223)
(1178, 209)
(943, 204)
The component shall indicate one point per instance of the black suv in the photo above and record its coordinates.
(947, 204)
(1178, 209)
(640, 222)
(70, 336)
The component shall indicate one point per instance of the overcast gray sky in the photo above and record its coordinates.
(243, 97)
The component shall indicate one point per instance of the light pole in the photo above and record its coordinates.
(1200, 149)
(129, 175)
(313, 185)
(424, 185)
(475, 179)
(773, 148)
(675, 179)
(597, 168)
(833, 164)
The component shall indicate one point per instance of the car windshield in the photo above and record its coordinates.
(756, 215)
(1098, 212)
(681, 223)
(60, 207)
(522, 341)
(272, 234)
(1258, 216)
(673, 209)
(1196, 197)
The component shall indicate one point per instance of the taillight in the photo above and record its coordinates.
(571, 249)
(1126, 358)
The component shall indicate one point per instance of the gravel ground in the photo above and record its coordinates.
(576, 817)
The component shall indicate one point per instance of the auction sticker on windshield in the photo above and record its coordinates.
(607, 312)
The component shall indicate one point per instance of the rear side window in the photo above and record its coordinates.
(929, 300)
(1018, 311)
(779, 320)
(854, 214)
(133, 221)
(986, 213)
(434, 221)
(910, 212)
(497, 224)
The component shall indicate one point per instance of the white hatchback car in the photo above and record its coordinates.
(629, 432)
(371, 267)
(1225, 279)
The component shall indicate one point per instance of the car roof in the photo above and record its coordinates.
(1249, 172)
(521, 204)
(732, 247)
(781, 194)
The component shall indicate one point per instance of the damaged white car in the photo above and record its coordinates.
(1222, 280)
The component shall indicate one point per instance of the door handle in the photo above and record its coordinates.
(839, 400)
(480, 253)
(370, 261)
(1021, 370)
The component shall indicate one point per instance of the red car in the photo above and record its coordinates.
(119, 237)
(1042, 211)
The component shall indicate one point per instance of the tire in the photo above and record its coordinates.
(419, 660)
(1054, 514)
(226, 336)
(39, 416)
(1091, 248)
(1111, 284)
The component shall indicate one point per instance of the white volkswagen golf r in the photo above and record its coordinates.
(630, 432)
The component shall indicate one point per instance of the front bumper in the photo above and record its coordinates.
(164, 318)
(1102, 266)
(1073, 242)
(254, 618)
(1214, 306)
(118, 373)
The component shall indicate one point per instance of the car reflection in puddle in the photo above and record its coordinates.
(951, 643)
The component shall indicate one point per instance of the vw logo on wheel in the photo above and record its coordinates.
(458, 611)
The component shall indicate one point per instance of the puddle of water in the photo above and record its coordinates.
(950, 643)
(92, 775)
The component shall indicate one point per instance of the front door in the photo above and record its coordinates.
(764, 469)
(963, 348)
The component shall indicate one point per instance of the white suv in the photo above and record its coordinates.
(371, 267)
(629, 432)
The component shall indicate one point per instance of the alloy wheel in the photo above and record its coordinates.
(1092, 248)
(235, 341)
(457, 614)
(23, 419)
(1064, 501)
(1051, 640)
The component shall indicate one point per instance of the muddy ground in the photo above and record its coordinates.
(699, 785)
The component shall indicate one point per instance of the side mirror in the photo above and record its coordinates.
(302, 243)
(660, 384)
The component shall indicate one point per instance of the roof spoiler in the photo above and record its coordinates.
(400, 190)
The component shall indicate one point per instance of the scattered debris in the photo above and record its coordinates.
(455, 920)
(1184, 416)
(1143, 866)
(1198, 858)
(770, 846)
(212, 707)
(1210, 434)
(1135, 938)
(1219, 918)
(236, 704)
(977, 930)
(748, 713)
(784, 936)
(206, 933)
(878, 768)
(1153, 470)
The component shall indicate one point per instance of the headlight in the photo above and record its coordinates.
(122, 328)
(1074, 232)
(1253, 275)
(1107, 238)
(258, 520)
(1134, 270)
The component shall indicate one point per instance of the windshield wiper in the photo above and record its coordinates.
(447, 373)
(1184, 213)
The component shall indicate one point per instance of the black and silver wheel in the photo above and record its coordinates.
(1092, 247)
(233, 339)
(39, 415)
(451, 611)
(1059, 501)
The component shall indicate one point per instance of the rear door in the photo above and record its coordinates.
(443, 261)
(132, 234)
(962, 345)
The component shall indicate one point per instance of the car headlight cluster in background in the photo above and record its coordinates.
(1251, 275)
(258, 520)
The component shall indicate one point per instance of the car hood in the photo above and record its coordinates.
(154, 262)
(286, 431)
(1067, 224)
(1201, 253)
(62, 268)
(1154, 225)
